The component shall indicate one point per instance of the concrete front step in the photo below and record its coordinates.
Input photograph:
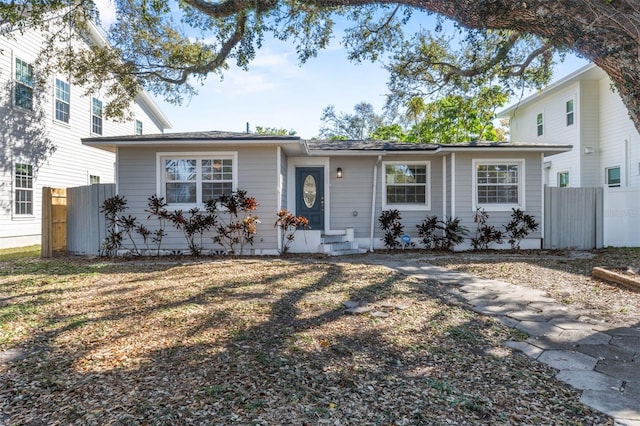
(346, 252)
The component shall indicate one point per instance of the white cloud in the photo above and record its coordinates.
(107, 12)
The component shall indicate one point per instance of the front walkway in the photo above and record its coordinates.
(598, 358)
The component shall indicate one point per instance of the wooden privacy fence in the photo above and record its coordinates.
(573, 218)
(54, 221)
(87, 226)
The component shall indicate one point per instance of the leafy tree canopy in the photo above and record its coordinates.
(170, 46)
(345, 126)
(450, 119)
(275, 131)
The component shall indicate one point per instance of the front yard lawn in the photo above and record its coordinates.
(257, 341)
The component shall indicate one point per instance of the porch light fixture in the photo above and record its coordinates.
(339, 173)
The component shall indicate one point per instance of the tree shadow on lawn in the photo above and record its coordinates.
(274, 349)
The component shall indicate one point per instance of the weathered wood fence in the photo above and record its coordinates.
(573, 218)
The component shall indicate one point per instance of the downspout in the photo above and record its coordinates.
(373, 201)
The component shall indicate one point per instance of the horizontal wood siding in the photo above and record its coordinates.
(351, 195)
(71, 163)
(257, 175)
(464, 189)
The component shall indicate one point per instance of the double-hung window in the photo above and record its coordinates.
(540, 124)
(406, 185)
(96, 116)
(23, 186)
(569, 111)
(498, 185)
(196, 179)
(138, 128)
(23, 90)
(62, 100)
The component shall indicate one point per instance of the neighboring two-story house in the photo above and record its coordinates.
(582, 110)
(40, 134)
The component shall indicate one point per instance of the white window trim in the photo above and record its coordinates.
(606, 177)
(15, 82)
(558, 178)
(573, 112)
(160, 184)
(135, 127)
(15, 214)
(55, 99)
(407, 207)
(541, 113)
(505, 206)
(92, 115)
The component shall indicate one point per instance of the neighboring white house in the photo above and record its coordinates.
(41, 132)
(581, 110)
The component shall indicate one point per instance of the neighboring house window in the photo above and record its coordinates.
(23, 91)
(498, 184)
(96, 116)
(197, 179)
(569, 109)
(540, 124)
(406, 185)
(93, 179)
(563, 179)
(138, 127)
(23, 189)
(62, 101)
(612, 176)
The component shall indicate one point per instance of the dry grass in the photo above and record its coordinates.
(565, 276)
(257, 341)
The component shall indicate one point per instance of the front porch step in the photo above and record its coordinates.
(338, 243)
(346, 252)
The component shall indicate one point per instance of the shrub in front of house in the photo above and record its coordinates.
(389, 222)
(438, 234)
(485, 234)
(288, 224)
(519, 227)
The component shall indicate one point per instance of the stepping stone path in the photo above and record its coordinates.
(355, 307)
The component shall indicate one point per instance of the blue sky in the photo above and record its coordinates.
(277, 92)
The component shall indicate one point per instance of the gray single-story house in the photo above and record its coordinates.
(340, 186)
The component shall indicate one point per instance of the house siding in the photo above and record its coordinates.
(257, 174)
(71, 164)
(616, 128)
(464, 190)
(411, 218)
(606, 135)
(351, 195)
(556, 131)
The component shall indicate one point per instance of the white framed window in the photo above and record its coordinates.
(563, 179)
(612, 176)
(498, 185)
(138, 128)
(23, 189)
(62, 98)
(24, 84)
(96, 116)
(569, 111)
(193, 179)
(94, 179)
(406, 185)
(540, 124)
